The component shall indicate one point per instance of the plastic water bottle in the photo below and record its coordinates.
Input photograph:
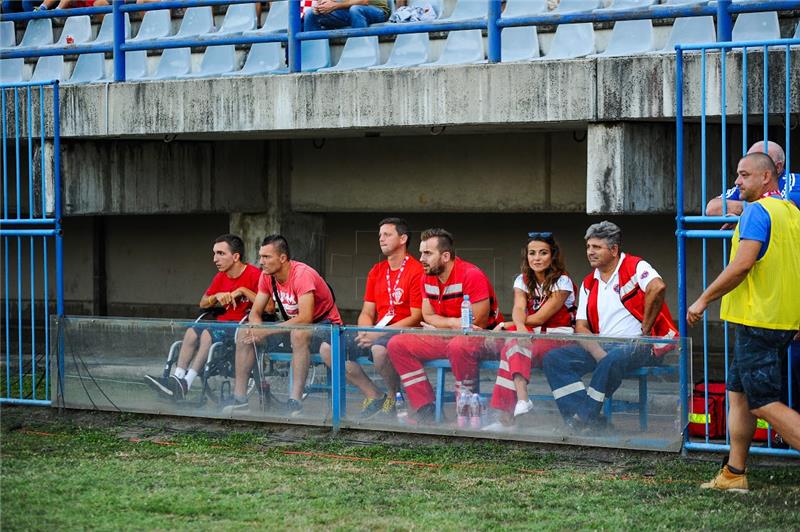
(475, 411)
(462, 408)
(401, 408)
(466, 313)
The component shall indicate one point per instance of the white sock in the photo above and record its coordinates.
(190, 375)
(180, 372)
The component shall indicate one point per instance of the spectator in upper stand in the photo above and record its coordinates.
(733, 203)
(65, 4)
(330, 14)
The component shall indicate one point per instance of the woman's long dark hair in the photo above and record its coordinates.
(556, 269)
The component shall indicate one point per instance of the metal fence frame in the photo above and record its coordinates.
(683, 220)
(45, 227)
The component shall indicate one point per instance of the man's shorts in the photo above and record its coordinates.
(756, 367)
(353, 351)
(221, 333)
(281, 342)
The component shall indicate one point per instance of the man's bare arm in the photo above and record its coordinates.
(732, 207)
(653, 299)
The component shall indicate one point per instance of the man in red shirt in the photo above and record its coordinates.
(302, 297)
(446, 282)
(232, 291)
(392, 299)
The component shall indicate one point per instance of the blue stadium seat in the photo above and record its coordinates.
(277, 19)
(461, 47)
(618, 5)
(174, 63)
(572, 6)
(756, 27)
(11, 70)
(8, 35)
(468, 9)
(316, 54)
(79, 28)
(49, 68)
(216, 60)
(135, 65)
(630, 37)
(691, 30)
(358, 52)
(89, 68)
(263, 58)
(572, 41)
(106, 32)
(410, 49)
(155, 25)
(196, 21)
(239, 18)
(39, 32)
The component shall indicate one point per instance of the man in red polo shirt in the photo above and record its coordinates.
(446, 281)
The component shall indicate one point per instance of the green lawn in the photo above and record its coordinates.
(104, 471)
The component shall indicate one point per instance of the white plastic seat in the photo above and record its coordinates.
(630, 37)
(239, 18)
(39, 32)
(522, 8)
(619, 5)
(437, 5)
(797, 31)
(196, 21)
(358, 52)
(277, 19)
(11, 70)
(519, 44)
(8, 35)
(316, 54)
(572, 6)
(174, 63)
(135, 65)
(263, 58)
(216, 60)
(89, 68)
(468, 9)
(79, 28)
(572, 41)
(684, 2)
(691, 30)
(756, 27)
(106, 32)
(49, 68)
(410, 49)
(462, 47)
(156, 24)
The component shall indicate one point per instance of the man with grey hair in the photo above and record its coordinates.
(622, 297)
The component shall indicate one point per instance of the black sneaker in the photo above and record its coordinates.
(161, 385)
(294, 407)
(426, 415)
(179, 387)
(370, 407)
(231, 405)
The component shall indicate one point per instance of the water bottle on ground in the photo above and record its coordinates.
(401, 408)
(475, 411)
(462, 407)
(466, 313)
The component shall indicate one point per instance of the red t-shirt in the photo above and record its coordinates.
(406, 290)
(222, 283)
(465, 278)
(303, 279)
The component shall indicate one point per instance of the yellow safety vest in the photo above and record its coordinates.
(769, 297)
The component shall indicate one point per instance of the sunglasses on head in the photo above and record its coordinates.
(543, 234)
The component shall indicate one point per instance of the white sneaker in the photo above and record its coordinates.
(497, 426)
(523, 407)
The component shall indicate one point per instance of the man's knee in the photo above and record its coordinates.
(191, 335)
(325, 353)
(358, 11)
(300, 338)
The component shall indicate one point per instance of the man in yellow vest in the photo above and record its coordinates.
(760, 292)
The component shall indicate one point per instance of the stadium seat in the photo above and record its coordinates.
(630, 37)
(522, 8)
(572, 41)
(462, 47)
(684, 2)
(174, 63)
(155, 25)
(410, 49)
(691, 30)
(797, 31)
(39, 32)
(618, 5)
(277, 19)
(572, 6)
(49, 68)
(358, 52)
(316, 54)
(196, 21)
(106, 32)
(216, 60)
(519, 44)
(437, 5)
(467, 10)
(79, 28)
(89, 68)
(11, 70)
(8, 35)
(239, 18)
(135, 65)
(756, 27)
(263, 58)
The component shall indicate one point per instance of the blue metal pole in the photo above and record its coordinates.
(682, 325)
(119, 40)
(295, 54)
(57, 201)
(494, 31)
(337, 374)
(724, 21)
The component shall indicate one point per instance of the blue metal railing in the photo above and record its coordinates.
(36, 222)
(493, 24)
(705, 235)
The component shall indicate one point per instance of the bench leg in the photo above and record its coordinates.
(643, 403)
(439, 394)
(607, 408)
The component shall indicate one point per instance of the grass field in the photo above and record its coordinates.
(81, 470)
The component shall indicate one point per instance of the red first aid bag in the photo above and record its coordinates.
(714, 415)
